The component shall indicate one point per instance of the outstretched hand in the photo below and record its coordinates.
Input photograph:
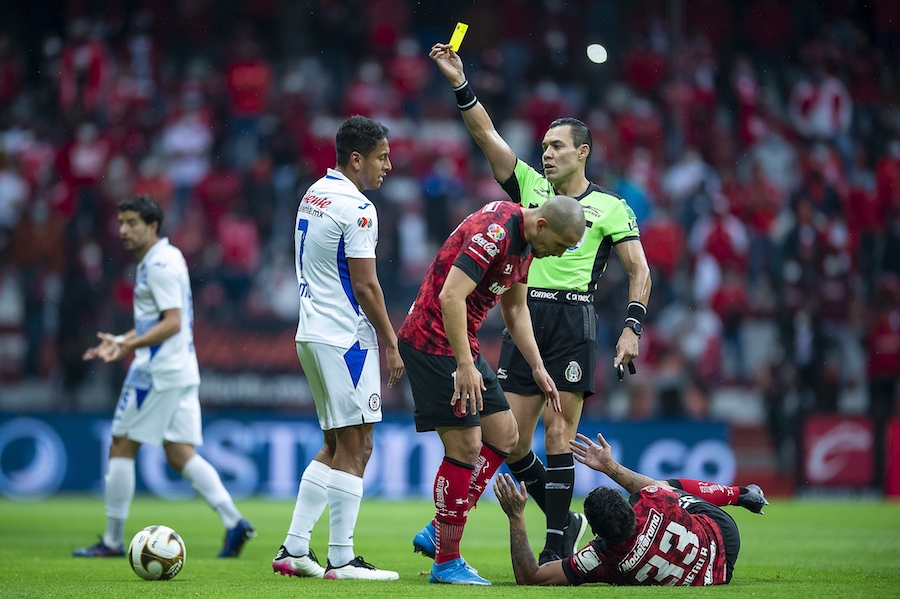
(512, 497)
(104, 351)
(597, 456)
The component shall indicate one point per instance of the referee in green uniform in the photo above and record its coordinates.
(561, 301)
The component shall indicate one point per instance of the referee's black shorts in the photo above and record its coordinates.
(566, 335)
(431, 380)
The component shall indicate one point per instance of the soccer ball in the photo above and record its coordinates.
(156, 553)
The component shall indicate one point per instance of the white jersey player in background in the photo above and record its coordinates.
(341, 310)
(159, 403)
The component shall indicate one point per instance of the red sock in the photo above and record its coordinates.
(489, 460)
(714, 493)
(451, 501)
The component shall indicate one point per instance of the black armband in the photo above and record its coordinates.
(636, 312)
(465, 97)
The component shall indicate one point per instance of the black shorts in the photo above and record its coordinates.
(730, 534)
(566, 335)
(431, 380)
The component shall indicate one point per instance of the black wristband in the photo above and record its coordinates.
(465, 97)
(636, 311)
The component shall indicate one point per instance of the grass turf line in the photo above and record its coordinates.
(798, 549)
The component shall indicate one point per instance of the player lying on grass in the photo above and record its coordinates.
(670, 532)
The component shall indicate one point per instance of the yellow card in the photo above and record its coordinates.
(458, 34)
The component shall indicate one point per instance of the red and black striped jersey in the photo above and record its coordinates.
(489, 246)
(670, 547)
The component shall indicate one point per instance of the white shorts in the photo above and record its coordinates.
(345, 383)
(151, 416)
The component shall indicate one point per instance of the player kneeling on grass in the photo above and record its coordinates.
(663, 535)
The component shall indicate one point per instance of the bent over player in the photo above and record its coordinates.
(456, 393)
(663, 535)
(159, 403)
(561, 300)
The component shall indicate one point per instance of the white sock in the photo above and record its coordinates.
(312, 498)
(205, 480)
(119, 492)
(345, 493)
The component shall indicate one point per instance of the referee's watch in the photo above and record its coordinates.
(634, 326)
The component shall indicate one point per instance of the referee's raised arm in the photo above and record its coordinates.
(498, 153)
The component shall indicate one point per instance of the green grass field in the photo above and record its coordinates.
(798, 548)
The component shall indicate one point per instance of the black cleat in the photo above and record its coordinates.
(548, 555)
(575, 529)
(752, 498)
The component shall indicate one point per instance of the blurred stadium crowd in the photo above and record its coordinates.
(758, 142)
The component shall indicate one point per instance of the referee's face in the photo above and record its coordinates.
(560, 157)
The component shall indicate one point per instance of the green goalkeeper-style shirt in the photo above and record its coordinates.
(610, 220)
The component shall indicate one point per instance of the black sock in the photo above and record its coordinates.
(558, 496)
(530, 470)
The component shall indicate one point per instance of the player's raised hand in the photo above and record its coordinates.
(512, 497)
(449, 63)
(596, 456)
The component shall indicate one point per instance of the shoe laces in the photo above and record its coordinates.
(359, 562)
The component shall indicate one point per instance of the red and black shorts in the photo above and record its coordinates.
(431, 380)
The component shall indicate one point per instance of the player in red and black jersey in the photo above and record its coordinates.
(664, 535)
(484, 261)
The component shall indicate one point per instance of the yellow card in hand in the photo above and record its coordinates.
(458, 34)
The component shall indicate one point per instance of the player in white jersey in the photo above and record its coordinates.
(159, 403)
(341, 310)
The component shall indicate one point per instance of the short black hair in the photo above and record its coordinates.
(580, 133)
(149, 210)
(358, 134)
(609, 514)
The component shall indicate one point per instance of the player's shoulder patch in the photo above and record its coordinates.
(496, 232)
(587, 559)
